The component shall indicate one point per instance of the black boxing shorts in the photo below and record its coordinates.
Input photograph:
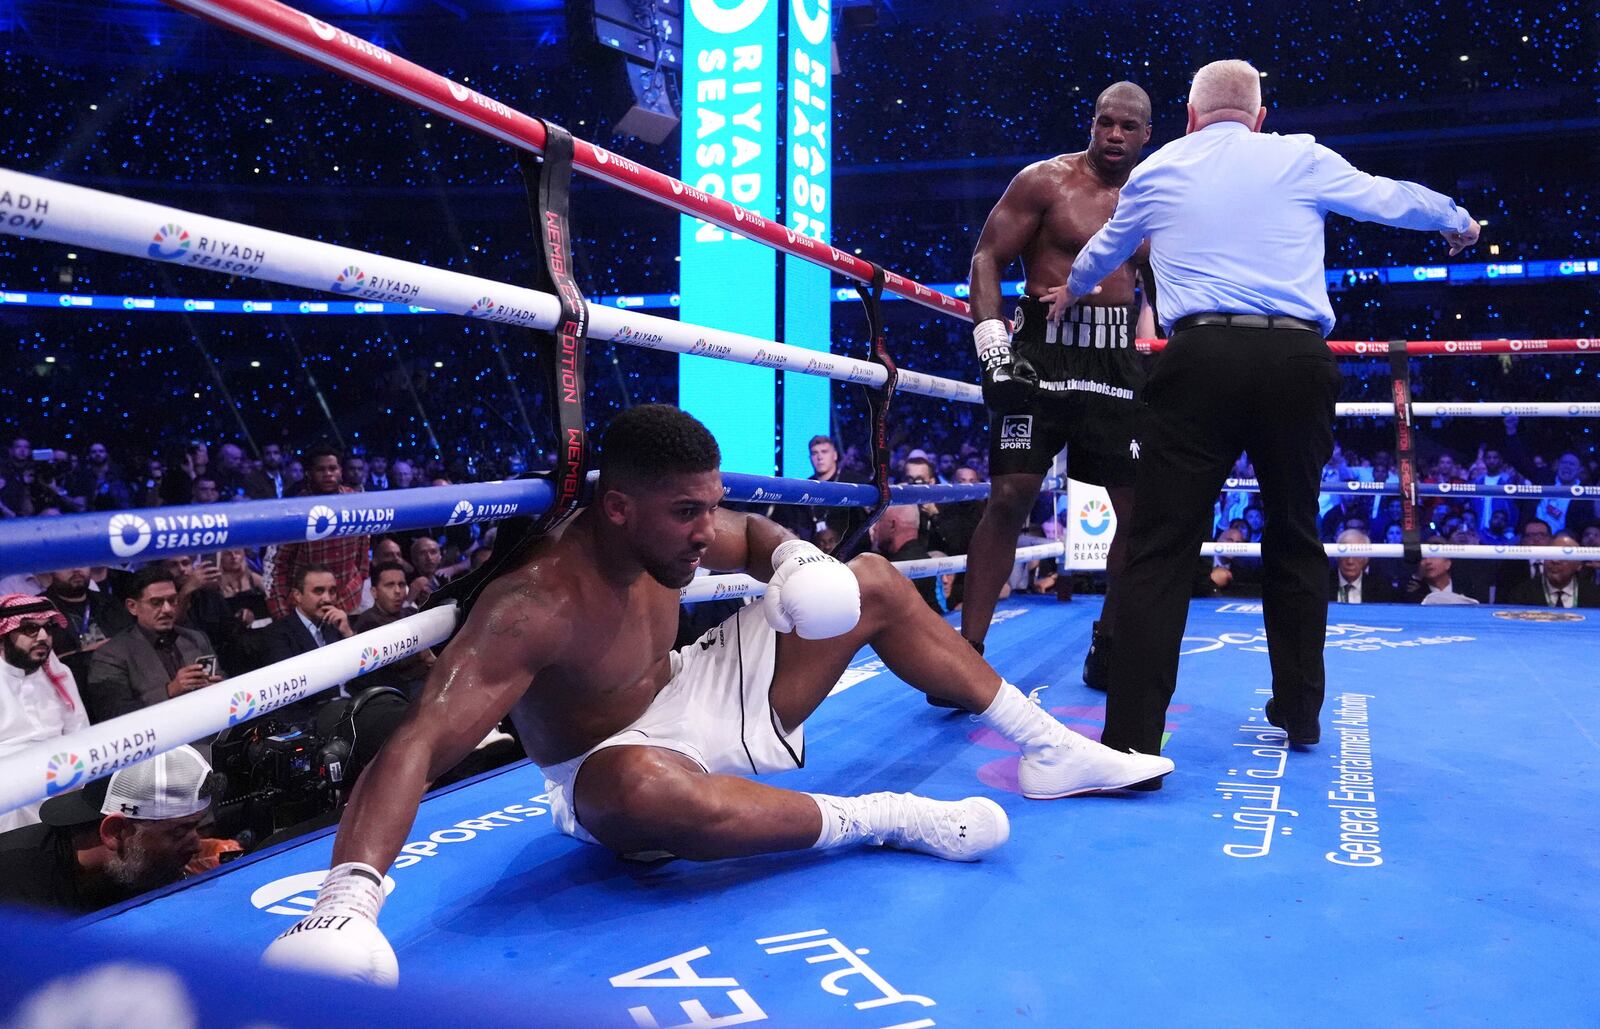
(1091, 377)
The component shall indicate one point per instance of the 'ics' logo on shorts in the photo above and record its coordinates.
(1016, 432)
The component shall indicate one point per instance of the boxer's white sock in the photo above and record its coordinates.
(1021, 719)
(843, 821)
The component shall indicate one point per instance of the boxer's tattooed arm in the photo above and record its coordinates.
(474, 684)
(511, 624)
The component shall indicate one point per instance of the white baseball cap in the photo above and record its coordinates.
(175, 784)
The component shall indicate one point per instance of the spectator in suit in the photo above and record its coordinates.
(377, 472)
(1590, 538)
(1558, 584)
(402, 474)
(153, 659)
(1513, 572)
(347, 557)
(269, 481)
(1225, 575)
(1432, 583)
(315, 619)
(390, 602)
(39, 697)
(1352, 581)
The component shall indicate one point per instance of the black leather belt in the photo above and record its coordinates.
(1245, 321)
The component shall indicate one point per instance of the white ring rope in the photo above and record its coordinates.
(1454, 551)
(1472, 409)
(135, 228)
(49, 767)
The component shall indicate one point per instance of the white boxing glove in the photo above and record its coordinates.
(340, 937)
(811, 593)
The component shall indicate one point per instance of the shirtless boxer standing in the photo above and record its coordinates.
(645, 747)
(1050, 385)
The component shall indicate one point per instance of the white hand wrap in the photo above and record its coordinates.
(992, 340)
(340, 937)
(811, 593)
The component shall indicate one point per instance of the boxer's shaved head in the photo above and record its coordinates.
(1128, 95)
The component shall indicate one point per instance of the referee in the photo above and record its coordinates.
(1234, 220)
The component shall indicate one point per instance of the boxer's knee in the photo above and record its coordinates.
(882, 586)
(641, 798)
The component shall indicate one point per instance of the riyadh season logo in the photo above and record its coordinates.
(349, 280)
(323, 30)
(241, 706)
(369, 659)
(169, 243)
(62, 772)
(1094, 517)
(461, 513)
(482, 307)
(121, 525)
(320, 523)
(457, 90)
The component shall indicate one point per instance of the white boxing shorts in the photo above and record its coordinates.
(714, 710)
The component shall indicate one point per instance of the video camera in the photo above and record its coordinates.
(300, 763)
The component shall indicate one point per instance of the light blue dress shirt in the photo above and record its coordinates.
(1234, 220)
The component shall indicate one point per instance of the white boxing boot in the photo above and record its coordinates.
(956, 830)
(1057, 762)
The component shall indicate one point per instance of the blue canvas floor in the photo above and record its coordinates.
(1467, 889)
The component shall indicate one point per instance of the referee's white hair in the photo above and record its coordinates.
(1226, 86)
(1354, 536)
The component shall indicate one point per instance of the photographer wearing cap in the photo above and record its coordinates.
(113, 839)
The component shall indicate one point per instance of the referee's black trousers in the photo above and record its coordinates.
(1213, 392)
